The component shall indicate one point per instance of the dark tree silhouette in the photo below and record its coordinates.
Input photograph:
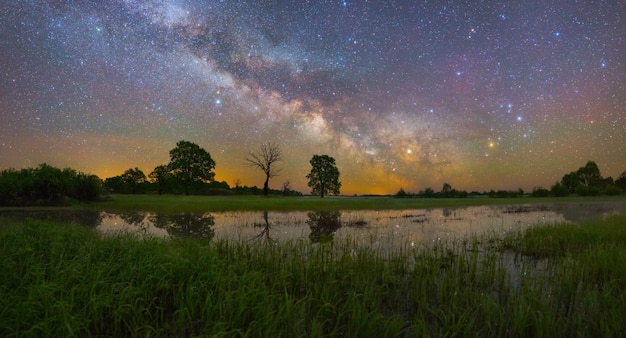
(324, 175)
(160, 176)
(265, 159)
(621, 181)
(133, 178)
(189, 164)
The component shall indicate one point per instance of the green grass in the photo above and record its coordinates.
(178, 203)
(560, 280)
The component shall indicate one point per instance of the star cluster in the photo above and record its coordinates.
(412, 94)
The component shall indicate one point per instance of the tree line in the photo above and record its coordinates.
(47, 185)
(585, 181)
(189, 171)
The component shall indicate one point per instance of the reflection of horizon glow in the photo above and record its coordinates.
(106, 86)
(384, 229)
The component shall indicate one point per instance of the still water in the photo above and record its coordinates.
(384, 229)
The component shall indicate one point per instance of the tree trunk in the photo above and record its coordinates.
(266, 186)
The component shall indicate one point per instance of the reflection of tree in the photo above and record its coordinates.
(185, 224)
(135, 218)
(90, 218)
(265, 233)
(323, 224)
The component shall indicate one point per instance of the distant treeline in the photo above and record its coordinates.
(586, 181)
(47, 185)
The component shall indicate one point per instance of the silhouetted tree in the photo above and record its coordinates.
(47, 185)
(540, 192)
(559, 190)
(324, 175)
(621, 181)
(446, 190)
(589, 175)
(401, 193)
(190, 163)
(286, 189)
(584, 181)
(133, 178)
(160, 176)
(265, 159)
(428, 193)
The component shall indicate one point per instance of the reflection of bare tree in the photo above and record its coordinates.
(265, 233)
(323, 225)
(185, 224)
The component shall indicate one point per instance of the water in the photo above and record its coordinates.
(386, 229)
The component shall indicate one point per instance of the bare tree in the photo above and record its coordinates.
(264, 159)
(286, 188)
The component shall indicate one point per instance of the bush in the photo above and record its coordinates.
(46, 185)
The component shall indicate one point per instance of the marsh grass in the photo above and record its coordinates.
(63, 280)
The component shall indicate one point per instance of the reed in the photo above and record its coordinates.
(559, 280)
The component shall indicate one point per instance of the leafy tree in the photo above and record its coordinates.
(540, 192)
(570, 181)
(133, 178)
(324, 175)
(401, 193)
(47, 185)
(446, 190)
(160, 176)
(589, 175)
(584, 181)
(621, 181)
(191, 164)
(428, 192)
(264, 159)
(559, 190)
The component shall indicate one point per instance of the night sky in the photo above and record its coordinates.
(479, 94)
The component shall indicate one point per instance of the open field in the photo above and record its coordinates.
(558, 280)
(178, 203)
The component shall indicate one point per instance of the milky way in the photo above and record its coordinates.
(481, 95)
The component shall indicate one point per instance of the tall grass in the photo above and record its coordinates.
(62, 280)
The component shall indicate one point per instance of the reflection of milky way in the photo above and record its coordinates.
(402, 94)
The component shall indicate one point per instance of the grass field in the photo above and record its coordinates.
(559, 280)
(178, 203)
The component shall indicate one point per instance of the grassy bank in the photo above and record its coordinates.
(561, 280)
(178, 203)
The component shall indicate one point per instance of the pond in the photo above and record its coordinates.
(386, 229)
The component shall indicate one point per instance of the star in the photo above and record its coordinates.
(412, 86)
